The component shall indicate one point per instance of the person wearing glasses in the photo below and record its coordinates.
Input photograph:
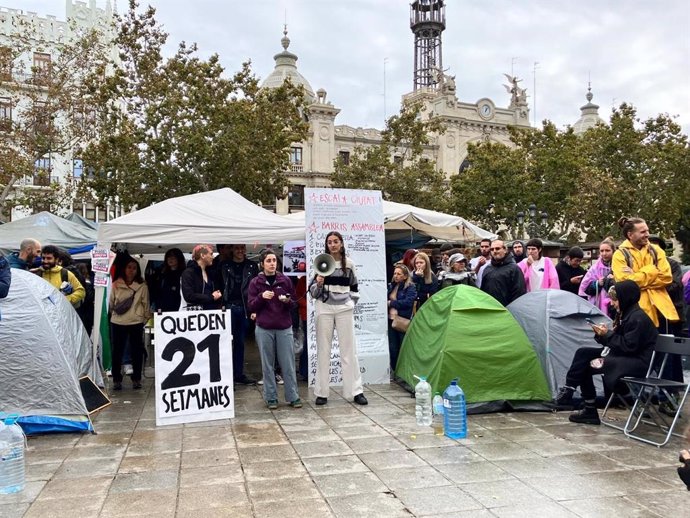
(502, 279)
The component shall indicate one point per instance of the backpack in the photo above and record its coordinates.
(629, 258)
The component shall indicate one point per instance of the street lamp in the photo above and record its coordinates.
(534, 228)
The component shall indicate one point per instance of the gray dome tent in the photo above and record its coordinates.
(44, 350)
(554, 322)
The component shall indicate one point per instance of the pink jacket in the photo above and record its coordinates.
(548, 282)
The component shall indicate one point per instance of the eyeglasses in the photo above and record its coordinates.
(496, 248)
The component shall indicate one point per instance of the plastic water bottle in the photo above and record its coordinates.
(437, 406)
(455, 411)
(12, 442)
(422, 394)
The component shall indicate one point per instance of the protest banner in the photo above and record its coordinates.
(294, 258)
(193, 367)
(358, 216)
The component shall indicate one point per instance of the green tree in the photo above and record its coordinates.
(396, 166)
(585, 183)
(46, 112)
(176, 126)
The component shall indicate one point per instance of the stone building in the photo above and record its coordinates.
(26, 72)
(312, 161)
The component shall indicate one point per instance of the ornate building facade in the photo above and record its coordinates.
(312, 161)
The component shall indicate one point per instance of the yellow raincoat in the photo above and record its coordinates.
(652, 279)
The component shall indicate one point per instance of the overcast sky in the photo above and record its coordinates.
(633, 50)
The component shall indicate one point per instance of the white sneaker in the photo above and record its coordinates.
(279, 380)
(260, 382)
(128, 370)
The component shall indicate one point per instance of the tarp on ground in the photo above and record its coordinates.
(44, 350)
(220, 216)
(554, 322)
(463, 332)
(406, 222)
(48, 229)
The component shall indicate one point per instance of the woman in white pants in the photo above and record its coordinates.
(335, 298)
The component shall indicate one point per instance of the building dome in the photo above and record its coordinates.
(286, 67)
(589, 115)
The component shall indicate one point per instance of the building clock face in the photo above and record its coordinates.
(486, 111)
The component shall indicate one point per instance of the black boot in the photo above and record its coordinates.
(587, 415)
(564, 399)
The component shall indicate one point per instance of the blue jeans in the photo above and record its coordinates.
(304, 355)
(277, 343)
(239, 332)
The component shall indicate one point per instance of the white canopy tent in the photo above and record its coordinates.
(220, 216)
(437, 225)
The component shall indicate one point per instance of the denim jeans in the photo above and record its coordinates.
(277, 343)
(239, 332)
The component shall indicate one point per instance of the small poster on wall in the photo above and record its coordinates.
(193, 367)
(294, 258)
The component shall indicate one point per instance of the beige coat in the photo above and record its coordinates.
(140, 311)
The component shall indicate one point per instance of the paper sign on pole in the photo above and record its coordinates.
(358, 216)
(193, 367)
(294, 258)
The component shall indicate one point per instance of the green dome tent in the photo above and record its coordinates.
(463, 332)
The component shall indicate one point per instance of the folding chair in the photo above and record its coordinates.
(645, 389)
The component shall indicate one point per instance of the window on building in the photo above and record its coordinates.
(41, 66)
(344, 157)
(5, 64)
(5, 114)
(464, 166)
(41, 117)
(296, 155)
(77, 168)
(42, 171)
(296, 196)
(397, 159)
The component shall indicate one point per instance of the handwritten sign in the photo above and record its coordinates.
(358, 216)
(193, 367)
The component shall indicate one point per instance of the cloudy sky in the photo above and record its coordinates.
(633, 50)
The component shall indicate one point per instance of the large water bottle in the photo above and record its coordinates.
(455, 411)
(12, 442)
(422, 394)
(437, 407)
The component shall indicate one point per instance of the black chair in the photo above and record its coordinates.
(647, 389)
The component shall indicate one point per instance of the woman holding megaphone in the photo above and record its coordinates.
(335, 296)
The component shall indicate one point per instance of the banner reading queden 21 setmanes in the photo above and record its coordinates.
(358, 216)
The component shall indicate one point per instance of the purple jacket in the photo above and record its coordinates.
(273, 313)
(687, 293)
(601, 299)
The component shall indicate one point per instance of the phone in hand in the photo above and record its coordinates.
(591, 322)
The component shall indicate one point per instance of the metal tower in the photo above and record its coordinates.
(427, 21)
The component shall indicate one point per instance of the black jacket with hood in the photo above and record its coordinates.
(631, 341)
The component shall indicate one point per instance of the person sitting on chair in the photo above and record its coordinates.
(626, 351)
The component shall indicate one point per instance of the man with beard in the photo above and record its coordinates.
(62, 279)
(518, 251)
(502, 279)
(29, 249)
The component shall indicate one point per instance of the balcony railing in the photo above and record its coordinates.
(37, 180)
(296, 168)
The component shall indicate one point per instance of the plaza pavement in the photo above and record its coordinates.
(343, 460)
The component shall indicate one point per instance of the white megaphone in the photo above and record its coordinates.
(324, 265)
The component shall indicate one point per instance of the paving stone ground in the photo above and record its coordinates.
(346, 461)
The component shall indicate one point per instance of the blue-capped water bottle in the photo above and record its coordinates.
(12, 443)
(455, 411)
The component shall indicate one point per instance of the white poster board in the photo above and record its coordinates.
(193, 367)
(358, 216)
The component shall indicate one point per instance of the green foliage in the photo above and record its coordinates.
(396, 165)
(585, 183)
(176, 126)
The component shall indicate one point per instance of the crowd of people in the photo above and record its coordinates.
(635, 284)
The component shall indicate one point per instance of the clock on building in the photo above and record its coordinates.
(485, 110)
